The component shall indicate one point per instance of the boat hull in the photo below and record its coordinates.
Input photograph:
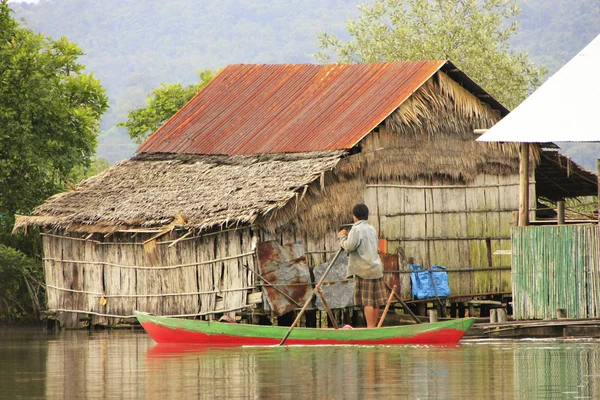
(171, 330)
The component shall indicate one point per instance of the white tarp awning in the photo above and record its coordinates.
(566, 108)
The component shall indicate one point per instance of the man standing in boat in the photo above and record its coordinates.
(364, 263)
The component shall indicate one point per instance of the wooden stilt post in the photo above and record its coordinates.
(524, 185)
(560, 205)
(433, 316)
(599, 190)
(501, 314)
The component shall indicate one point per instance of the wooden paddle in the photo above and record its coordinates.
(315, 291)
(387, 307)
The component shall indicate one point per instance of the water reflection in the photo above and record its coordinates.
(129, 365)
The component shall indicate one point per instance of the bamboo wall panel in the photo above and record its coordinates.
(71, 279)
(58, 278)
(415, 225)
(413, 217)
(147, 281)
(555, 267)
(234, 274)
(442, 223)
(206, 274)
(49, 268)
(185, 278)
(247, 246)
(120, 281)
(371, 202)
(94, 280)
(315, 251)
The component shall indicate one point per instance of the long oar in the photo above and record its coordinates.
(312, 294)
(387, 307)
(412, 314)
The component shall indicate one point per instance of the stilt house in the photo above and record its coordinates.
(232, 204)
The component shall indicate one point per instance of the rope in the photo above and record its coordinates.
(148, 231)
(148, 295)
(152, 268)
(133, 316)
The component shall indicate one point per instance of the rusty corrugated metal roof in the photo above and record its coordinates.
(250, 109)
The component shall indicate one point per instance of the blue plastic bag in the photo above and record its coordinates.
(421, 282)
(440, 281)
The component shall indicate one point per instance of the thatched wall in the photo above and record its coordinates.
(173, 275)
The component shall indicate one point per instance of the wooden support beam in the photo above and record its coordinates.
(524, 185)
(599, 190)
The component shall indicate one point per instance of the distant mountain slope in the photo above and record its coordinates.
(134, 45)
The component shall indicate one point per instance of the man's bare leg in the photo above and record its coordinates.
(371, 314)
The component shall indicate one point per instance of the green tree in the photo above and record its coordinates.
(161, 104)
(474, 34)
(49, 123)
(49, 115)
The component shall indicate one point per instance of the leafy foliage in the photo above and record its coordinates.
(20, 278)
(49, 123)
(473, 34)
(161, 104)
(49, 114)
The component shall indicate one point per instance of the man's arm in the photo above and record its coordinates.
(349, 241)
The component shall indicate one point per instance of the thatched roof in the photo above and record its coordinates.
(198, 191)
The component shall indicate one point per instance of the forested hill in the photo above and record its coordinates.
(134, 45)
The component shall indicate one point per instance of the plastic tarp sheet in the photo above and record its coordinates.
(429, 283)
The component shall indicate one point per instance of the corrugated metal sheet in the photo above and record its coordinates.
(556, 267)
(338, 294)
(250, 109)
(284, 266)
(563, 109)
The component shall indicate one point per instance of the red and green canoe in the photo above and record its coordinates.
(174, 330)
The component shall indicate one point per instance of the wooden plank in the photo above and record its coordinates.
(478, 252)
(234, 275)
(49, 267)
(206, 273)
(119, 281)
(128, 276)
(186, 253)
(524, 185)
(250, 261)
(94, 281)
(80, 299)
(475, 200)
(148, 281)
(371, 201)
(222, 251)
(393, 227)
(315, 247)
(404, 287)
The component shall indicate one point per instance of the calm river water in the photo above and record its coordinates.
(129, 365)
